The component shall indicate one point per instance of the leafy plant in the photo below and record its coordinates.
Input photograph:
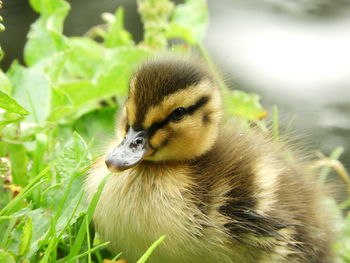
(56, 107)
(65, 95)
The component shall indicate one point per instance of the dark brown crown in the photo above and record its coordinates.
(159, 78)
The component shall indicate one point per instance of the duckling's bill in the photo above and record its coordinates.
(130, 152)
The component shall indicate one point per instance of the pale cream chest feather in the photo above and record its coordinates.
(135, 210)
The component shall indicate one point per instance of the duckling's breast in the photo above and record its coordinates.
(138, 206)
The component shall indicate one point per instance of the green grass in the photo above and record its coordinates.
(55, 109)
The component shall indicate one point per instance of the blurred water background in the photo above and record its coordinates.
(294, 54)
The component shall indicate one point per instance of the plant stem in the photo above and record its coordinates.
(155, 15)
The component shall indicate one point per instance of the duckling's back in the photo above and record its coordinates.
(266, 199)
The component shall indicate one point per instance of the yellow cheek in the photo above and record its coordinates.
(159, 138)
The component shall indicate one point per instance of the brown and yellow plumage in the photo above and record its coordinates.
(219, 192)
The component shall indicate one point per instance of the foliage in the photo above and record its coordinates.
(55, 109)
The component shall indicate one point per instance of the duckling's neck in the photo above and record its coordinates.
(149, 167)
(160, 173)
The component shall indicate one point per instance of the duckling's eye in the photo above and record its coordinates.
(178, 114)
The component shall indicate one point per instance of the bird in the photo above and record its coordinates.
(219, 191)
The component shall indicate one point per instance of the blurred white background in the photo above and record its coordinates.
(296, 55)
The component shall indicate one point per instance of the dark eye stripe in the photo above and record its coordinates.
(156, 126)
(190, 110)
(203, 100)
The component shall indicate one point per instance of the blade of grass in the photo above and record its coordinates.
(6, 235)
(65, 196)
(24, 193)
(70, 235)
(7, 217)
(99, 246)
(15, 202)
(334, 156)
(149, 251)
(81, 233)
(262, 125)
(117, 256)
(72, 216)
(99, 257)
(75, 173)
(88, 240)
(54, 241)
(50, 247)
(41, 145)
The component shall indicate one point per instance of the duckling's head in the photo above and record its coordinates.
(173, 112)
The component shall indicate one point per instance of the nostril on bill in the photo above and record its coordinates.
(136, 143)
(139, 141)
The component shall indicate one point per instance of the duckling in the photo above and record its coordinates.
(219, 192)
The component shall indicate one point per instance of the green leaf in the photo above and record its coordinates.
(6, 257)
(9, 104)
(42, 44)
(65, 199)
(84, 97)
(70, 165)
(31, 88)
(98, 124)
(5, 83)
(15, 238)
(245, 105)
(53, 67)
(104, 73)
(40, 225)
(116, 35)
(47, 8)
(82, 60)
(61, 106)
(81, 93)
(74, 156)
(7, 118)
(113, 78)
(45, 36)
(26, 236)
(23, 132)
(19, 163)
(189, 21)
(60, 99)
(6, 231)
